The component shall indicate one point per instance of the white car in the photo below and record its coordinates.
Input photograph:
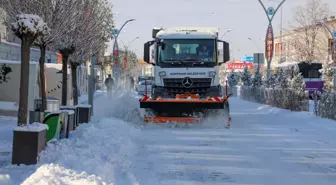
(143, 85)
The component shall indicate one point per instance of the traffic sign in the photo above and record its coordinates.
(270, 11)
(247, 58)
(259, 58)
(334, 33)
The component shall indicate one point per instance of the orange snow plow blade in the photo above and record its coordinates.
(161, 120)
(180, 109)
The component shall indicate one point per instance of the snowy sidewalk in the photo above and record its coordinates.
(265, 146)
(7, 124)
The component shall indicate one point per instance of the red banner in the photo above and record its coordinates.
(239, 65)
(269, 43)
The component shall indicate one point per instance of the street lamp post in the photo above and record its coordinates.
(269, 39)
(116, 52)
(225, 33)
(254, 42)
(259, 50)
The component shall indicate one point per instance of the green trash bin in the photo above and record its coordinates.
(53, 120)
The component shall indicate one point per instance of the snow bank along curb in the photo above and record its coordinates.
(93, 154)
(54, 126)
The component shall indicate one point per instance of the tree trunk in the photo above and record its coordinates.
(65, 57)
(42, 78)
(26, 42)
(74, 83)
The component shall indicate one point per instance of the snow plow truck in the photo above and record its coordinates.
(186, 87)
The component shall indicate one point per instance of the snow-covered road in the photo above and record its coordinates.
(265, 146)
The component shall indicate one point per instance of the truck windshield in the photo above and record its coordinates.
(181, 50)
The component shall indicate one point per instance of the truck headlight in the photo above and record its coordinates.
(212, 73)
(162, 73)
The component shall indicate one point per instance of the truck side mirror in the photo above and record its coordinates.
(226, 52)
(146, 52)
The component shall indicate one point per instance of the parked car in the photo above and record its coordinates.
(142, 85)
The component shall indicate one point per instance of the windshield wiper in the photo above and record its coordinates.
(173, 61)
(195, 62)
(191, 60)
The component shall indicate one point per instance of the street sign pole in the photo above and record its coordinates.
(269, 39)
(259, 59)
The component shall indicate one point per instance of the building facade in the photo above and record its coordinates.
(12, 52)
(298, 45)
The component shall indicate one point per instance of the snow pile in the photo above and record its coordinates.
(5, 178)
(30, 23)
(46, 175)
(93, 152)
(34, 127)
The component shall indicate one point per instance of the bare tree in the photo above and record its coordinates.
(59, 15)
(306, 35)
(66, 44)
(28, 28)
(91, 36)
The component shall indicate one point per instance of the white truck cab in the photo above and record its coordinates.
(185, 59)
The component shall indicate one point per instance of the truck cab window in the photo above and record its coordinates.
(198, 50)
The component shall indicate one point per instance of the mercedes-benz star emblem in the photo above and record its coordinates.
(187, 82)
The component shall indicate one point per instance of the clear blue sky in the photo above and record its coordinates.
(245, 17)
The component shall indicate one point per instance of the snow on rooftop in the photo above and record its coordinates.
(193, 31)
(284, 64)
(291, 63)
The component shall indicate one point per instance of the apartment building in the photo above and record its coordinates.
(294, 45)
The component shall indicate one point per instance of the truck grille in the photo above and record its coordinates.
(199, 86)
